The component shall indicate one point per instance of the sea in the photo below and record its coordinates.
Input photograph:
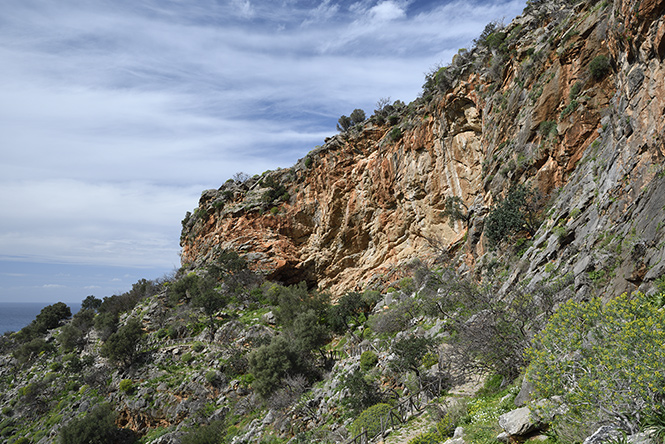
(16, 315)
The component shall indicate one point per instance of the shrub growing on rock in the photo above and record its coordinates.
(121, 346)
(517, 212)
(599, 67)
(368, 360)
(98, 427)
(363, 392)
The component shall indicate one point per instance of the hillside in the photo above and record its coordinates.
(482, 264)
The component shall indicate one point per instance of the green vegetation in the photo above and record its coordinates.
(547, 128)
(344, 122)
(212, 433)
(518, 212)
(370, 420)
(121, 346)
(368, 360)
(98, 426)
(599, 67)
(127, 386)
(365, 392)
(395, 134)
(455, 210)
(607, 361)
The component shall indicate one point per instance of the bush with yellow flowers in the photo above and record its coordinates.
(606, 361)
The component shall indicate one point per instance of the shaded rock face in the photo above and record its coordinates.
(372, 197)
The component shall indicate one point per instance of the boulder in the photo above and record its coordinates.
(519, 422)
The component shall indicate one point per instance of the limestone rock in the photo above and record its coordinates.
(519, 422)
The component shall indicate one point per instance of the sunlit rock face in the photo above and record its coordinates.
(533, 111)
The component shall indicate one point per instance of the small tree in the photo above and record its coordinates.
(517, 212)
(122, 345)
(599, 67)
(97, 427)
(208, 298)
(51, 317)
(358, 116)
(352, 309)
(271, 363)
(363, 393)
(409, 354)
(91, 303)
(344, 122)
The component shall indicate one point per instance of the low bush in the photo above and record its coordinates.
(426, 438)
(126, 385)
(212, 433)
(98, 427)
(517, 212)
(599, 67)
(368, 360)
(370, 420)
(364, 393)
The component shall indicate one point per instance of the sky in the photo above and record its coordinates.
(116, 115)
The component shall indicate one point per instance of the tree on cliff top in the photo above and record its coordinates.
(344, 122)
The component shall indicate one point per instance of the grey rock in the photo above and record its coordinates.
(519, 422)
(635, 79)
(603, 434)
(269, 318)
(524, 396)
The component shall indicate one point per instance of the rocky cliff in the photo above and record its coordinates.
(568, 98)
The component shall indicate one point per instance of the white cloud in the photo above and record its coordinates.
(387, 11)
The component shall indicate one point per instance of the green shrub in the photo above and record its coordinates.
(126, 385)
(271, 363)
(575, 90)
(599, 67)
(393, 120)
(517, 212)
(572, 106)
(7, 411)
(212, 377)
(187, 358)
(122, 345)
(395, 134)
(198, 347)
(547, 128)
(364, 393)
(370, 420)
(98, 427)
(212, 433)
(31, 349)
(606, 360)
(368, 360)
(22, 440)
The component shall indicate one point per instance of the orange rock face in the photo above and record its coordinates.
(372, 198)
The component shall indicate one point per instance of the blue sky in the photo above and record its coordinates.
(116, 115)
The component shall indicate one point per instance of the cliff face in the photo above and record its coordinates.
(539, 107)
